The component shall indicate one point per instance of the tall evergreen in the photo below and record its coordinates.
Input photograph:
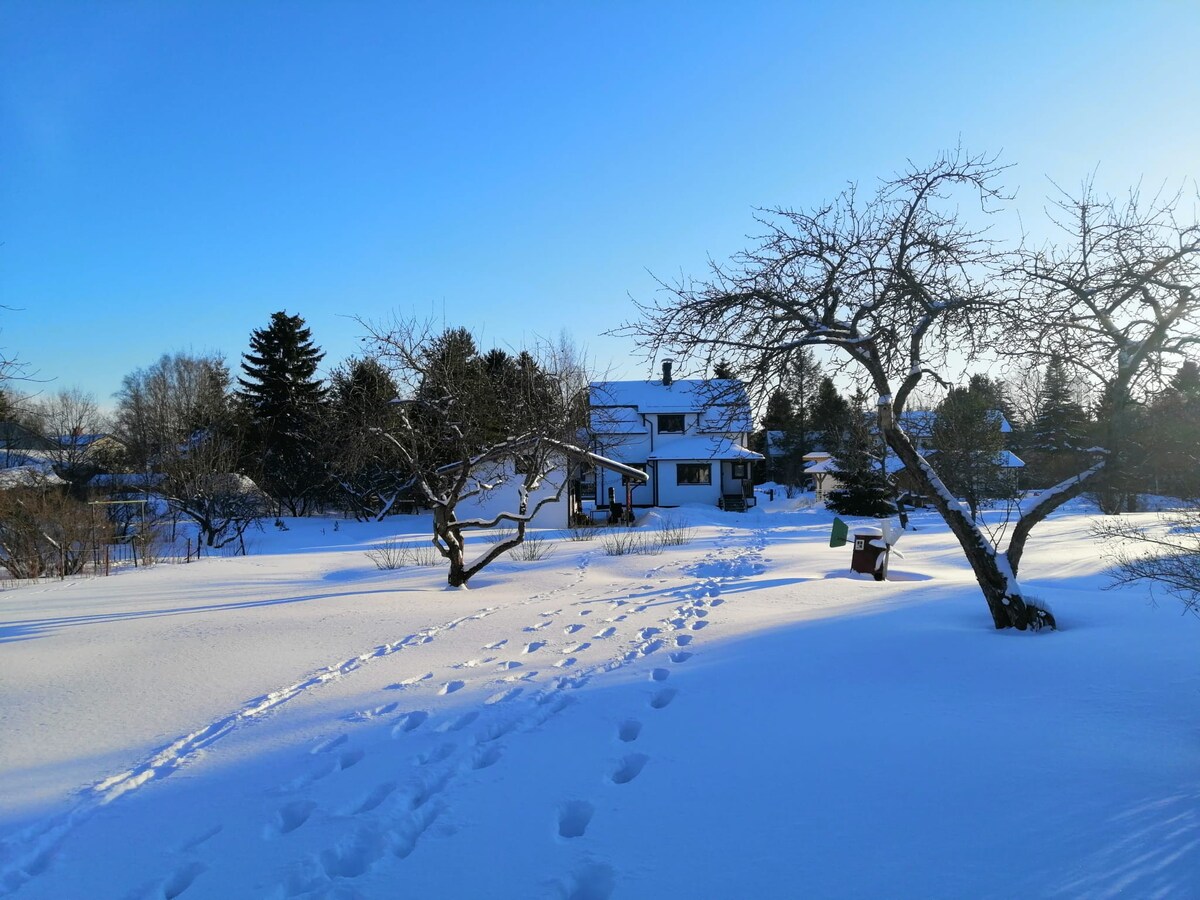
(829, 416)
(366, 467)
(968, 440)
(865, 488)
(1170, 440)
(283, 397)
(1059, 432)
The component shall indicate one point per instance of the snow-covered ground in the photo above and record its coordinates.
(737, 717)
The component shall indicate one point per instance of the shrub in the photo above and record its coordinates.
(630, 543)
(582, 529)
(532, 549)
(395, 554)
(674, 531)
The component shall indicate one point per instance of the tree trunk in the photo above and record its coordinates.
(996, 580)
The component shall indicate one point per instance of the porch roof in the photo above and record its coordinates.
(702, 446)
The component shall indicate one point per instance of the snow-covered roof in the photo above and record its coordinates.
(28, 476)
(920, 422)
(722, 402)
(821, 466)
(79, 440)
(617, 420)
(701, 446)
(1009, 460)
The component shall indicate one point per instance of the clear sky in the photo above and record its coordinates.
(171, 173)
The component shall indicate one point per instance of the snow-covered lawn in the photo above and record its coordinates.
(738, 717)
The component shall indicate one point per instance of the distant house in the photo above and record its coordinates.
(92, 445)
(918, 424)
(689, 436)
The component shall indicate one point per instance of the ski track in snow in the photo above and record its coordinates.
(390, 819)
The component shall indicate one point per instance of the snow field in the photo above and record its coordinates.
(736, 717)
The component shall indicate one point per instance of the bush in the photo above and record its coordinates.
(395, 554)
(45, 532)
(582, 529)
(631, 543)
(674, 531)
(532, 549)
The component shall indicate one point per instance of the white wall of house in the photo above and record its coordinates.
(507, 498)
(671, 493)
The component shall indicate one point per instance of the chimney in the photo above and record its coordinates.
(667, 372)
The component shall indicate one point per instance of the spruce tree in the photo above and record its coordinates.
(1170, 440)
(968, 440)
(284, 398)
(865, 488)
(829, 417)
(1059, 432)
(366, 467)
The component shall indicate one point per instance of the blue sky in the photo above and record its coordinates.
(172, 173)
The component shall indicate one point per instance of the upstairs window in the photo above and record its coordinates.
(693, 473)
(670, 424)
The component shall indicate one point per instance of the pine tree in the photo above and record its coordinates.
(968, 440)
(865, 488)
(1059, 432)
(284, 399)
(366, 467)
(829, 417)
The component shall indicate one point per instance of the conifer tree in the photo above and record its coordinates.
(1059, 432)
(1171, 438)
(829, 417)
(865, 489)
(284, 398)
(966, 434)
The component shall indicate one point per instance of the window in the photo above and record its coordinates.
(672, 424)
(693, 473)
(739, 470)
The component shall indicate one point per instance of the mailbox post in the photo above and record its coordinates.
(870, 555)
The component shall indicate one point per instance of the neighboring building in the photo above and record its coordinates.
(21, 447)
(918, 425)
(820, 466)
(690, 438)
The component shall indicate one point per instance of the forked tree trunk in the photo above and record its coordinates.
(996, 580)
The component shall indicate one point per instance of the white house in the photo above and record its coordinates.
(689, 437)
(496, 486)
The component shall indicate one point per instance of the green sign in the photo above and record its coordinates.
(837, 537)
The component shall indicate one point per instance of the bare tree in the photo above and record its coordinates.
(69, 419)
(161, 406)
(1116, 298)
(1166, 554)
(182, 429)
(200, 481)
(471, 423)
(894, 282)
